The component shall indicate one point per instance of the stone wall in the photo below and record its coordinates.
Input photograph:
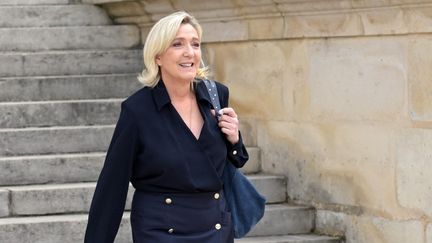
(338, 95)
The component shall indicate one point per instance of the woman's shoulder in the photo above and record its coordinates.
(138, 100)
(222, 88)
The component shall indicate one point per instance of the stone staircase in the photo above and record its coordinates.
(64, 70)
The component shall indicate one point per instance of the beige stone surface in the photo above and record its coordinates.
(261, 29)
(218, 31)
(334, 164)
(419, 19)
(237, 20)
(125, 9)
(335, 24)
(367, 229)
(420, 77)
(248, 129)
(255, 94)
(328, 80)
(387, 21)
(429, 233)
(414, 173)
(357, 79)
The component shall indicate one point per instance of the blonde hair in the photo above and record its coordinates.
(158, 41)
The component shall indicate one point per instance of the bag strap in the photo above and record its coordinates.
(214, 97)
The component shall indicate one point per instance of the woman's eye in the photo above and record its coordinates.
(196, 44)
(176, 44)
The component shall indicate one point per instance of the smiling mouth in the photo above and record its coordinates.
(186, 64)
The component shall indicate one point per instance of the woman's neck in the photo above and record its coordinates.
(178, 90)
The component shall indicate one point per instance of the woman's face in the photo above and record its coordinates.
(180, 62)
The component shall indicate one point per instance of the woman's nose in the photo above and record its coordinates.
(188, 51)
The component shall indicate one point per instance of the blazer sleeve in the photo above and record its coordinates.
(237, 153)
(109, 199)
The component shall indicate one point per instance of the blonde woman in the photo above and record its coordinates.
(170, 145)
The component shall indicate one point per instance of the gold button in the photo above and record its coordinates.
(234, 152)
(218, 226)
(168, 201)
(216, 195)
(171, 230)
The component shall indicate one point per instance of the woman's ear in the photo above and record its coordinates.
(158, 60)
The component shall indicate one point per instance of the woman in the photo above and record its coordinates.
(170, 145)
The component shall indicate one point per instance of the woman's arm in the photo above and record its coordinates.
(229, 124)
(110, 195)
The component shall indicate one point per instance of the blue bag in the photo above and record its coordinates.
(245, 203)
(247, 206)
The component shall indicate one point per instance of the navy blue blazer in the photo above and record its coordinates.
(154, 149)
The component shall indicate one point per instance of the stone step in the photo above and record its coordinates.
(60, 140)
(54, 229)
(4, 203)
(301, 238)
(68, 87)
(69, 38)
(76, 198)
(70, 63)
(63, 113)
(41, 169)
(50, 15)
(283, 219)
(74, 168)
(55, 140)
(59, 113)
(71, 228)
(36, 2)
(272, 187)
(67, 113)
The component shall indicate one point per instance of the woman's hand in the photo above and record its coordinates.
(229, 124)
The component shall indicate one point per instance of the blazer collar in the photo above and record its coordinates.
(161, 97)
(201, 92)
